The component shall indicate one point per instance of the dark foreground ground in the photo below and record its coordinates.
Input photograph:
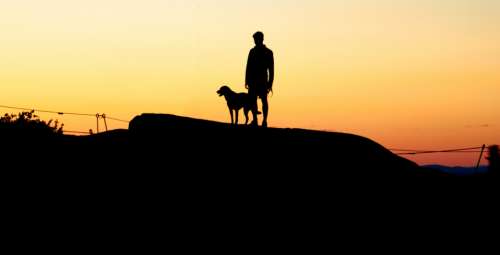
(194, 179)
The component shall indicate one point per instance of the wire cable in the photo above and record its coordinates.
(60, 112)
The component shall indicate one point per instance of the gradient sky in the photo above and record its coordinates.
(406, 73)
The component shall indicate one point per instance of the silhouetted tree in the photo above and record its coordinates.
(29, 123)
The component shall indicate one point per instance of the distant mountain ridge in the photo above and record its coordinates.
(458, 170)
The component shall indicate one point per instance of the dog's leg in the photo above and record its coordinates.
(231, 113)
(237, 115)
(246, 116)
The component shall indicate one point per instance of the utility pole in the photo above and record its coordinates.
(480, 157)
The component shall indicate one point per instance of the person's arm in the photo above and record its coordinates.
(271, 73)
(247, 73)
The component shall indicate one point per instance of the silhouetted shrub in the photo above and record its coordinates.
(27, 123)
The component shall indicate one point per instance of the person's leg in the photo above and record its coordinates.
(254, 108)
(265, 109)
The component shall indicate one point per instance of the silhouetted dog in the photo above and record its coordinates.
(236, 101)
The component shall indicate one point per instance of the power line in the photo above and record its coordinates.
(75, 132)
(416, 152)
(462, 149)
(115, 119)
(431, 152)
(46, 111)
(60, 112)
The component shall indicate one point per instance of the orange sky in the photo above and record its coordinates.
(407, 74)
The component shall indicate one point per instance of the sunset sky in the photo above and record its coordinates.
(417, 74)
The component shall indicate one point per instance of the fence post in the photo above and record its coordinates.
(494, 158)
(97, 118)
(105, 123)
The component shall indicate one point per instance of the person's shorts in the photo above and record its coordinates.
(259, 91)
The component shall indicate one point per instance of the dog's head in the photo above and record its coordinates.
(224, 90)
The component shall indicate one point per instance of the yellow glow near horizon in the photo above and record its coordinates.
(412, 74)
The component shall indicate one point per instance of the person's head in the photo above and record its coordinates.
(258, 37)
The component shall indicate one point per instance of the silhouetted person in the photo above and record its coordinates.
(259, 76)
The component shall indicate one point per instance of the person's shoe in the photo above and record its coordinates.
(254, 123)
(264, 124)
